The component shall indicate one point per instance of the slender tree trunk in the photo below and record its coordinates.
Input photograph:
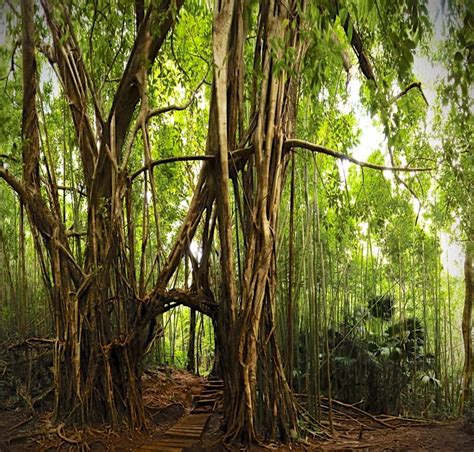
(191, 366)
(22, 289)
(466, 394)
(291, 264)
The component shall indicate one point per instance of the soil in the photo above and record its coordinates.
(415, 437)
(442, 437)
(168, 396)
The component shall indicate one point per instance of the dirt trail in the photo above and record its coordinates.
(187, 432)
(443, 437)
(185, 410)
(184, 434)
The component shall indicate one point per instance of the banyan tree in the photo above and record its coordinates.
(264, 56)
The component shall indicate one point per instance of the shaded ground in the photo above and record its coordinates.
(168, 396)
(414, 437)
(409, 436)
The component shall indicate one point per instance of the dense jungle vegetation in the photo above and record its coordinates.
(272, 191)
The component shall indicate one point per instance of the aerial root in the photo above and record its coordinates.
(60, 433)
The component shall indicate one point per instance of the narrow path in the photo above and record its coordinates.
(188, 430)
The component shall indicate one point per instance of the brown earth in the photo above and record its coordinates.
(412, 437)
(442, 437)
(168, 396)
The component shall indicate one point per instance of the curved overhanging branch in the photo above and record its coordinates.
(189, 158)
(294, 143)
(409, 88)
(167, 109)
(163, 300)
(184, 158)
(146, 114)
(14, 183)
(42, 219)
(358, 47)
(289, 144)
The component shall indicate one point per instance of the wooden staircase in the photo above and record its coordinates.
(188, 430)
(210, 398)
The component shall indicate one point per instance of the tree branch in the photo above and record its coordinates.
(14, 183)
(29, 124)
(159, 111)
(358, 47)
(43, 220)
(292, 143)
(408, 88)
(184, 158)
(75, 82)
(150, 37)
(165, 300)
(188, 158)
(10, 4)
(145, 115)
(73, 189)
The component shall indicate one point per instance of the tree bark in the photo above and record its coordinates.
(258, 402)
(101, 317)
(466, 392)
(100, 321)
(191, 365)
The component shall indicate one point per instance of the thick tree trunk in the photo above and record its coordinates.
(258, 401)
(99, 320)
(100, 313)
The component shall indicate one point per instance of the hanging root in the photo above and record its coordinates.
(59, 431)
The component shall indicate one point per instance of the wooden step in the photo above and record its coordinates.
(184, 434)
(206, 401)
(159, 447)
(200, 410)
(214, 385)
(210, 391)
(216, 389)
(214, 378)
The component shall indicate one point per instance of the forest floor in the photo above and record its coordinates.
(411, 437)
(168, 396)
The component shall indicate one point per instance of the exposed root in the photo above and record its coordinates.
(362, 412)
(59, 431)
(21, 424)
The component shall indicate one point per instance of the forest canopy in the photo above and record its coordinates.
(262, 190)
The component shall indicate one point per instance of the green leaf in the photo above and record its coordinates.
(343, 15)
(350, 31)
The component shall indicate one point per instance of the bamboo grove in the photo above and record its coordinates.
(178, 188)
